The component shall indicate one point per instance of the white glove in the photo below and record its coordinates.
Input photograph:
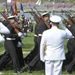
(20, 34)
(19, 44)
(62, 26)
(24, 34)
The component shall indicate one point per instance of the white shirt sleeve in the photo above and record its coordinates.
(68, 33)
(4, 29)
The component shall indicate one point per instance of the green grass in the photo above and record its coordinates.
(27, 47)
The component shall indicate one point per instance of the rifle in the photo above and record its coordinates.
(42, 19)
(36, 17)
(70, 18)
(66, 22)
(15, 27)
(68, 14)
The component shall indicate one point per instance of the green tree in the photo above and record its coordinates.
(2, 1)
(72, 1)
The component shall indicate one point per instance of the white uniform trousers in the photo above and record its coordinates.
(53, 67)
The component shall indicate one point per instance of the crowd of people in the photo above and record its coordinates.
(49, 37)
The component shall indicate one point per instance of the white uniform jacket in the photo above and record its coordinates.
(54, 40)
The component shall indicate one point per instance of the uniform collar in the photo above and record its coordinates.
(54, 26)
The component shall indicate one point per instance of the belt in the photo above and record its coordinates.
(36, 35)
(10, 38)
(39, 34)
(25, 26)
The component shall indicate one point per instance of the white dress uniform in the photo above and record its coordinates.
(54, 55)
(3, 30)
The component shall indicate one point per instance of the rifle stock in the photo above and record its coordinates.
(5, 17)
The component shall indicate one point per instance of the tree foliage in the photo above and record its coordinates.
(72, 1)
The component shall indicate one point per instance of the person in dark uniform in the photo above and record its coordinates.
(19, 49)
(33, 52)
(25, 26)
(10, 44)
(69, 63)
(3, 30)
(18, 45)
(41, 27)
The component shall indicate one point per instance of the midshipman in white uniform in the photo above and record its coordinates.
(53, 40)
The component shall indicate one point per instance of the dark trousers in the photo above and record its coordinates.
(4, 60)
(70, 55)
(19, 52)
(33, 53)
(36, 58)
(20, 56)
(10, 52)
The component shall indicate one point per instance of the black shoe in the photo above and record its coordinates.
(69, 72)
(23, 69)
(27, 67)
(17, 72)
(1, 72)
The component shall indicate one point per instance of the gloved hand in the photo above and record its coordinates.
(24, 34)
(20, 34)
(19, 44)
(61, 25)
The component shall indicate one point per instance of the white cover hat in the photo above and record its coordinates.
(55, 18)
(44, 13)
(10, 17)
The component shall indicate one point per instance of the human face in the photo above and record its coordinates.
(12, 21)
(46, 18)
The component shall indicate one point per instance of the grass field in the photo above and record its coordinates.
(27, 47)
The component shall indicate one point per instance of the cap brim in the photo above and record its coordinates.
(45, 13)
(11, 17)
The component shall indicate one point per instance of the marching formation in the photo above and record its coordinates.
(51, 30)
